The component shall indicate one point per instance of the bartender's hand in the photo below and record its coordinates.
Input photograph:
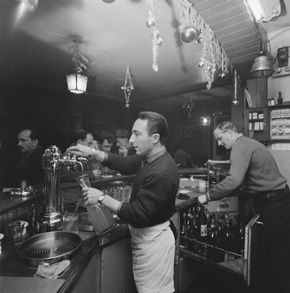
(202, 199)
(85, 151)
(91, 195)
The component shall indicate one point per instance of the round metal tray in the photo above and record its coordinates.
(49, 247)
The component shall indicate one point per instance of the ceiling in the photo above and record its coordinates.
(37, 46)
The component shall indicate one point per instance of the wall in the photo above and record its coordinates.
(57, 113)
(277, 40)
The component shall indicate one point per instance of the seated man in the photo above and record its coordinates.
(29, 167)
(125, 148)
(105, 139)
(85, 138)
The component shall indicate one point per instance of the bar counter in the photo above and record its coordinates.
(101, 265)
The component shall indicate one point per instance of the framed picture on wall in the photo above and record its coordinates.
(190, 132)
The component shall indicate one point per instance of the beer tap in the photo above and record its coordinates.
(52, 161)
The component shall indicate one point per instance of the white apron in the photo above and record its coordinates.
(153, 250)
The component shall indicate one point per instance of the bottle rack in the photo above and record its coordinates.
(229, 257)
(217, 255)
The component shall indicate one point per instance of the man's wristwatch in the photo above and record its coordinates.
(101, 198)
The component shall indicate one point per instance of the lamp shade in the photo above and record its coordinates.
(262, 67)
(77, 83)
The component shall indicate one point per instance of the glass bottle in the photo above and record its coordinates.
(212, 242)
(280, 99)
(183, 232)
(202, 220)
(227, 242)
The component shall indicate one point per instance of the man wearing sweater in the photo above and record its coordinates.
(152, 201)
(253, 165)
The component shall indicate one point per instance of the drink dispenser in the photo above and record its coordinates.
(52, 161)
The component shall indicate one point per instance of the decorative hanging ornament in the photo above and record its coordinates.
(128, 87)
(152, 23)
(188, 34)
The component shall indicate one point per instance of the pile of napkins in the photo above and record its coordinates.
(52, 271)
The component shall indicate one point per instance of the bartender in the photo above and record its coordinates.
(152, 201)
(253, 165)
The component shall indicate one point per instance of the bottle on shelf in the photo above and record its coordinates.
(227, 241)
(183, 232)
(202, 220)
(280, 99)
(212, 242)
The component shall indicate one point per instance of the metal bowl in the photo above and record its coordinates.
(49, 247)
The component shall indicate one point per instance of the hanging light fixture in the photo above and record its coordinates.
(264, 10)
(30, 4)
(77, 82)
(188, 105)
(262, 66)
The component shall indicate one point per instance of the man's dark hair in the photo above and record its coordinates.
(79, 135)
(34, 134)
(106, 135)
(156, 124)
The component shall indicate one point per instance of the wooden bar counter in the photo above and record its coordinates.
(102, 264)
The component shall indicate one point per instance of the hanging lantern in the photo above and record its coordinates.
(77, 83)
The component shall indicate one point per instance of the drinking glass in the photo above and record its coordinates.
(71, 222)
(84, 180)
(16, 229)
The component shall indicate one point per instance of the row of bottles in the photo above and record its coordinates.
(213, 235)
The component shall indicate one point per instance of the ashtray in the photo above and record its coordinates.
(183, 194)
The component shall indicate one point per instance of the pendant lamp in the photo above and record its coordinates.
(77, 82)
(262, 67)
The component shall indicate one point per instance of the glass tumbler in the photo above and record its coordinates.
(71, 222)
(16, 229)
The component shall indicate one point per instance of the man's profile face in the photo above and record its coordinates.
(25, 143)
(106, 146)
(88, 141)
(224, 138)
(140, 139)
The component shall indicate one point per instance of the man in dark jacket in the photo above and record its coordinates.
(29, 167)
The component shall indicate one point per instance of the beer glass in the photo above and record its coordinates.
(84, 180)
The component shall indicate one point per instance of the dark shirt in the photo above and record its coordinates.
(153, 192)
(29, 168)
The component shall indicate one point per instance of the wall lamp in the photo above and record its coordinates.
(205, 120)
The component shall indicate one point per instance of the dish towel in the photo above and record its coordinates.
(51, 271)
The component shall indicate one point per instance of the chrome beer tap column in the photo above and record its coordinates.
(52, 161)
